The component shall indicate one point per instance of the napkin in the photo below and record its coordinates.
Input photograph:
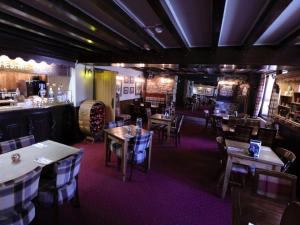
(230, 148)
(128, 136)
(43, 160)
(40, 145)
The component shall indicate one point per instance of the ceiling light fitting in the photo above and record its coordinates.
(158, 28)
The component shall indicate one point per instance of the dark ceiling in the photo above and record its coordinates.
(240, 32)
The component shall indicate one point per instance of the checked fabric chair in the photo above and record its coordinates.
(16, 206)
(63, 183)
(139, 153)
(115, 146)
(13, 144)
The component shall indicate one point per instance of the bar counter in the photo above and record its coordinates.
(54, 122)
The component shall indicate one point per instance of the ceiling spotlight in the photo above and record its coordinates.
(147, 47)
(158, 29)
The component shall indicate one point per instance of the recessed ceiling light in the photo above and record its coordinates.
(158, 29)
(147, 47)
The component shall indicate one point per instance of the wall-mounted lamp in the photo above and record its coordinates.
(119, 78)
(88, 72)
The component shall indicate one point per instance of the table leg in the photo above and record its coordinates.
(168, 131)
(106, 148)
(149, 157)
(124, 159)
(226, 176)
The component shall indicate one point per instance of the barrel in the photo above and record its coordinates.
(91, 117)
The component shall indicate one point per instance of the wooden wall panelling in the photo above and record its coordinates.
(106, 92)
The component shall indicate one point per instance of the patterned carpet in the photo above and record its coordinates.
(180, 189)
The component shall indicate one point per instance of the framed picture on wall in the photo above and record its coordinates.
(131, 80)
(138, 88)
(119, 88)
(126, 79)
(131, 90)
(125, 90)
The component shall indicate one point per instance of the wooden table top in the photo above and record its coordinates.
(227, 128)
(240, 149)
(159, 116)
(48, 149)
(122, 132)
(224, 116)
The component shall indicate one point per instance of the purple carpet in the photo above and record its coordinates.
(180, 188)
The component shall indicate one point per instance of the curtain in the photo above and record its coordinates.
(260, 94)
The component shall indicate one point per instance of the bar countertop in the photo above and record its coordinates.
(16, 108)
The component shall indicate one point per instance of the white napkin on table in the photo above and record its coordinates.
(43, 160)
(40, 145)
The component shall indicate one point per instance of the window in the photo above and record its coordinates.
(267, 95)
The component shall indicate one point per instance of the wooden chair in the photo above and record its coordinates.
(125, 117)
(237, 169)
(208, 118)
(291, 215)
(286, 156)
(275, 185)
(242, 133)
(266, 136)
(270, 194)
(175, 130)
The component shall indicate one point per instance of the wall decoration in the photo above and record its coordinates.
(131, 79)
(131, 90)
(119, 88)
(138, 88)
(125, 90)
(126, 79)
(209, 91)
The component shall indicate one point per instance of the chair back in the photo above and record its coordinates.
(68, 168)
(288, 157)
(117, 111)
(17, 193)
(148, 112)
(10, 145)
(242, 133)
(253, 122)
(111, 124)
(291, 214)
(141, 144)
(7, 146)
(275, 185)
(178, 127)
(266, 136)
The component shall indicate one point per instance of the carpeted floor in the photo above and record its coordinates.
(180, 188)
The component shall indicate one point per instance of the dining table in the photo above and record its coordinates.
(123, 135)
(237, 152)
(163, 120)
(40, 154)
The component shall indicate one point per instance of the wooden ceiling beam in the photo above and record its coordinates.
(225, 55)
(217, 17)
(31, 15)
(118, 14)
(272, 11)
(76, 18)
(164, 17)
